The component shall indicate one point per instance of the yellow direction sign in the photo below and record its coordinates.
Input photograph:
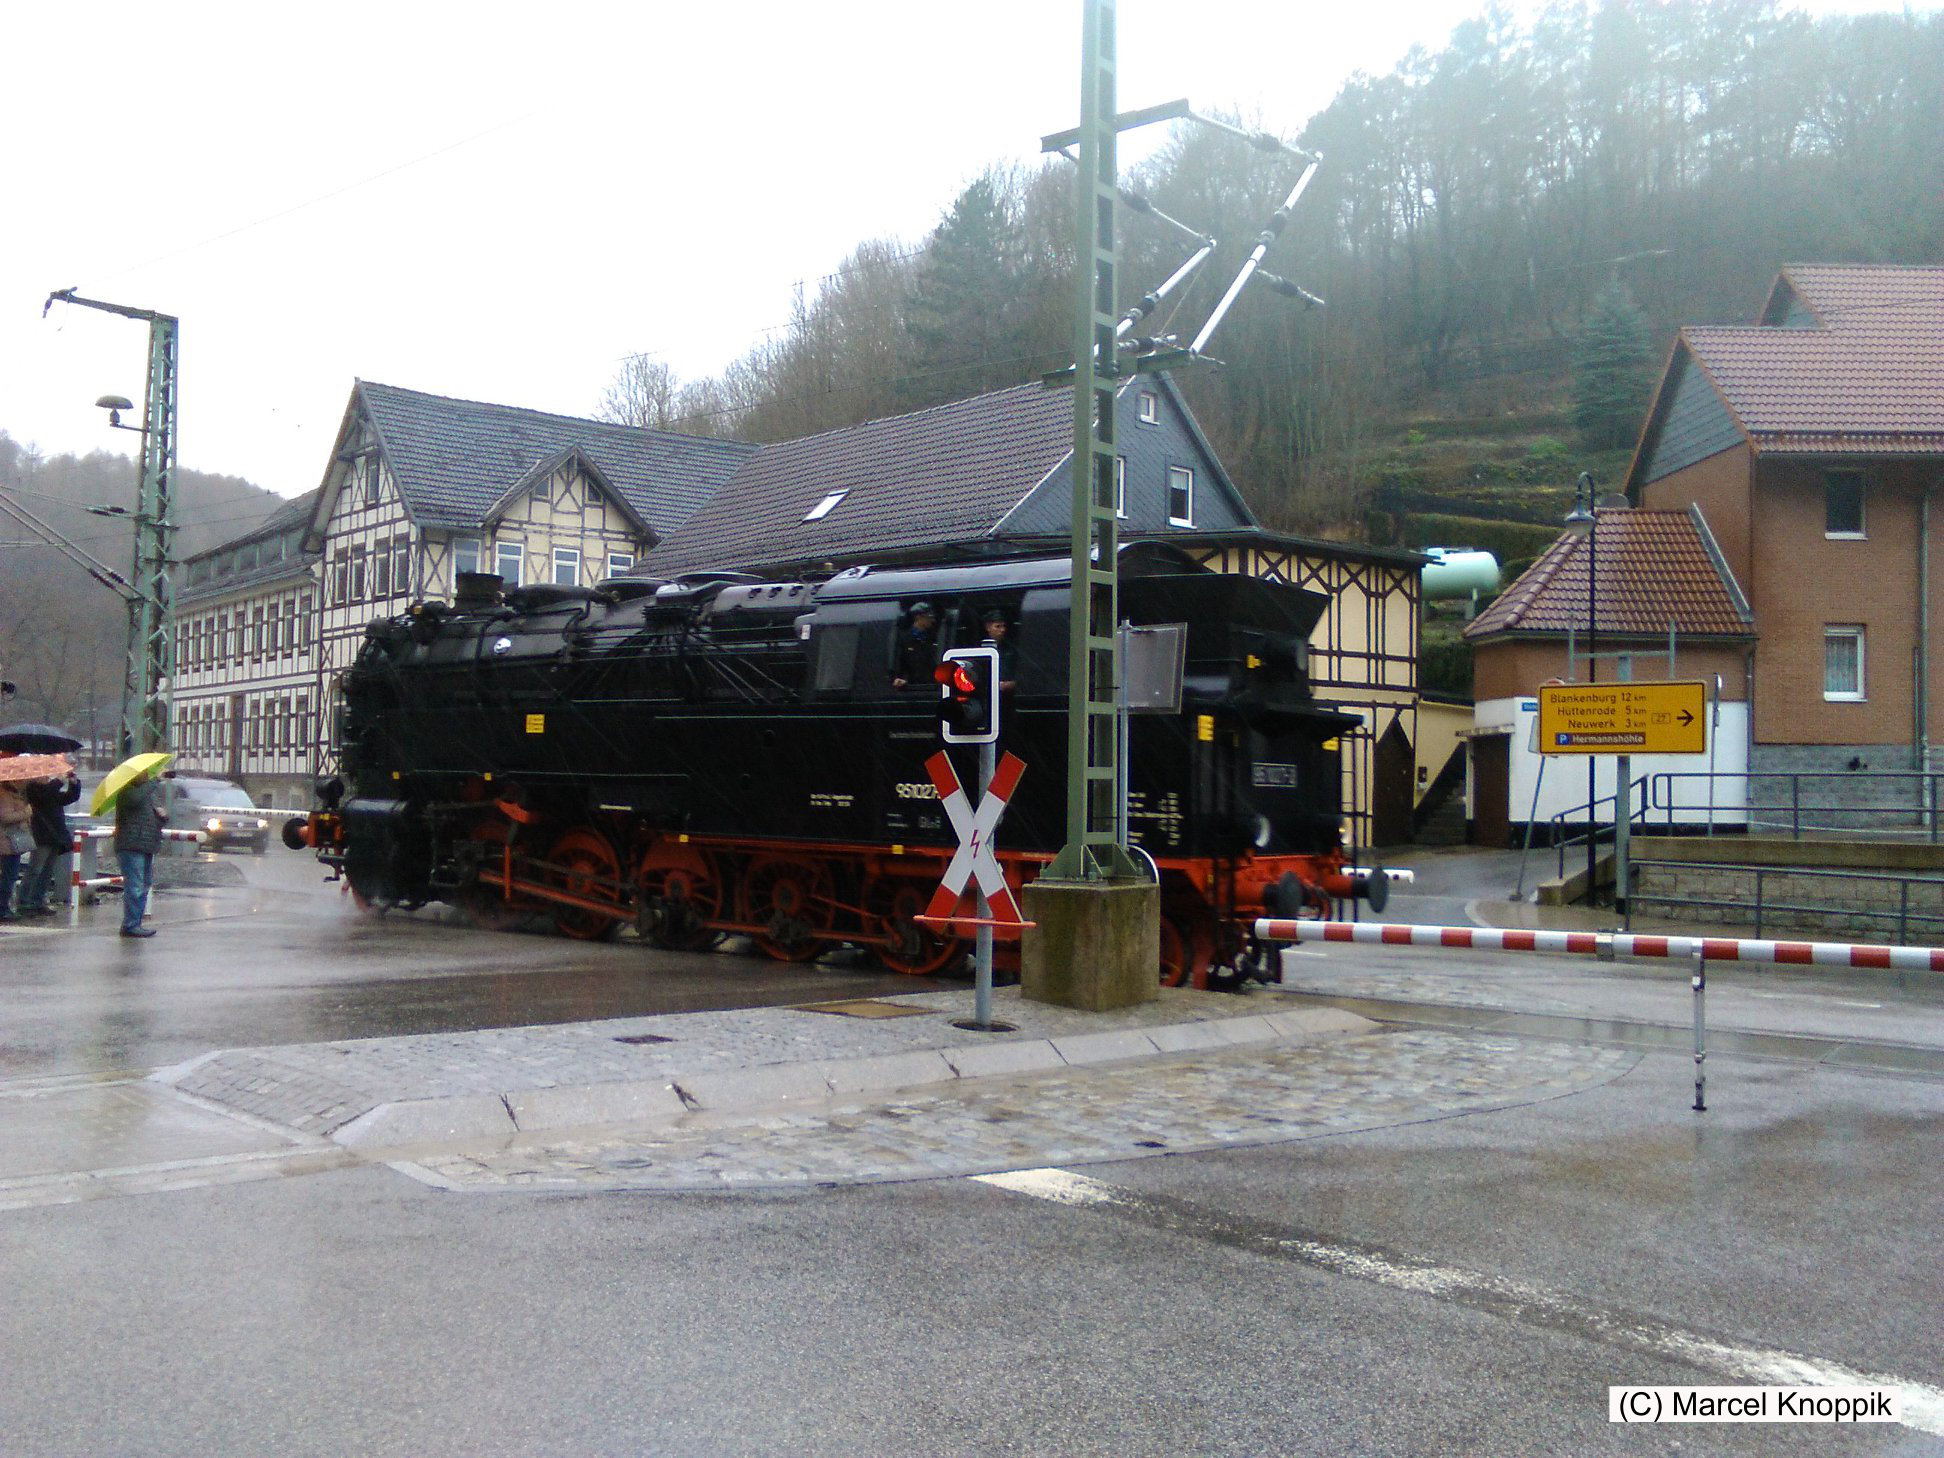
(1623, 718)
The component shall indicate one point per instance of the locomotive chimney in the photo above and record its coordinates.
(477, 590)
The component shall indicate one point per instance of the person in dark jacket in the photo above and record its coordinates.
(918, 649)
(139, 814)
(52, 839)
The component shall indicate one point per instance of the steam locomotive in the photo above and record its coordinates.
(721, 754)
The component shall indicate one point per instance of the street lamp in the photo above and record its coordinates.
(1583, 521)
(114, 405)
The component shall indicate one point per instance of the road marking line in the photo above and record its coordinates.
(1922, 1406)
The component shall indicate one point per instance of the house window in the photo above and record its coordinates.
(357, 574)
(507, 558)
(303, 720)
(1843, 504)
(381, 571)
(1120, 486)
(566, 567)
(619, 562)
(465, 557)
(340, 575)
(829, 504)
(1181, 496)
(402, 566)
(1843, 664)
(1150, 408)
(371, 479)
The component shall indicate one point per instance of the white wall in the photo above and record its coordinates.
(1563, 785)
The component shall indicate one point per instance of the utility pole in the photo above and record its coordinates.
(1094, 771)
(1096, 911)
(151, 608)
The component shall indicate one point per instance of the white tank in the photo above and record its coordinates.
(1458, 572)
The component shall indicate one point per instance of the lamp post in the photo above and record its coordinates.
(1583, 520)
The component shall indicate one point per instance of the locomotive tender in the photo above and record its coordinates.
(724, 754)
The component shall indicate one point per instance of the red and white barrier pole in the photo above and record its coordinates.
(1697, 950)
(1610, 944)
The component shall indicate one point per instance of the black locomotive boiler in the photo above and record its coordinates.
(719, 754)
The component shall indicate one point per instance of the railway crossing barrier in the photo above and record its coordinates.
(84, 864)
(1698, 951)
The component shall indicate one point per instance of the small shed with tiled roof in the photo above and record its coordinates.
(1649, 582)
(1813, 439)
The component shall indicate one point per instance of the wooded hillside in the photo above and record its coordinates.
(62, 634)
(1473, 205)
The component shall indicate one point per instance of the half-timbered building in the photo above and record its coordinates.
(245, 685)
(421, 488)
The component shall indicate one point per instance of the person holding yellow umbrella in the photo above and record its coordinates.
(139, 812)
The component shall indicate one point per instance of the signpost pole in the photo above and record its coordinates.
(1622, 808)
(982, 957)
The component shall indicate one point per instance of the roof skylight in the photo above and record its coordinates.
(823, 508)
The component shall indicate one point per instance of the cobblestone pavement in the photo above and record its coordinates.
(317, 1087)
(1166, 1105)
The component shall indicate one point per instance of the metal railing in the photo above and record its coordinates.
(1590, 813)
(1903, 916)
(1920, 810)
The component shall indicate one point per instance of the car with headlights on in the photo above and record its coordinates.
(222, 811)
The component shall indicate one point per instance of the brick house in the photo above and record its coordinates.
(1813, 440)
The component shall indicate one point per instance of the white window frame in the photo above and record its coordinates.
(1187, 473)
(1854, 633)
(829, 504)
(459, 544)
(619, 562)
(1862, 531)
(1120, 487)
(568, 557)
(1148, 408)
(514, 552)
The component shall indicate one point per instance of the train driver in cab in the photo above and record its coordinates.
(917, 649)
(999, 631)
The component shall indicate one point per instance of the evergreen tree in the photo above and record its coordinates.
(958, 314)
(1613, 374)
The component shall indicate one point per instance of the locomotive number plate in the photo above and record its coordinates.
(536, 723)
(1273, 776)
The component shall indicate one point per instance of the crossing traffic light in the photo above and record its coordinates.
(968, 695)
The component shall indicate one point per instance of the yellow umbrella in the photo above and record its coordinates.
(122, 776)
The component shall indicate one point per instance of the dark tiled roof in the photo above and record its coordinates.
(290, 518)
(453, 459)
(1654, 568)
(936, 477)
(1868, 376)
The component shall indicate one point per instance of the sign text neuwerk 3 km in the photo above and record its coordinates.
(1623, 718)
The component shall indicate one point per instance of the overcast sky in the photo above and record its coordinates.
(501, 203)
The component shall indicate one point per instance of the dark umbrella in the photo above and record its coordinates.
(37, 739)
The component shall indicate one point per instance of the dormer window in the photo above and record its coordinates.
(829, 504)
(1150, 408)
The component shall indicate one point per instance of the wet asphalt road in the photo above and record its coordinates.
(356, 1311)
(272, 953)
